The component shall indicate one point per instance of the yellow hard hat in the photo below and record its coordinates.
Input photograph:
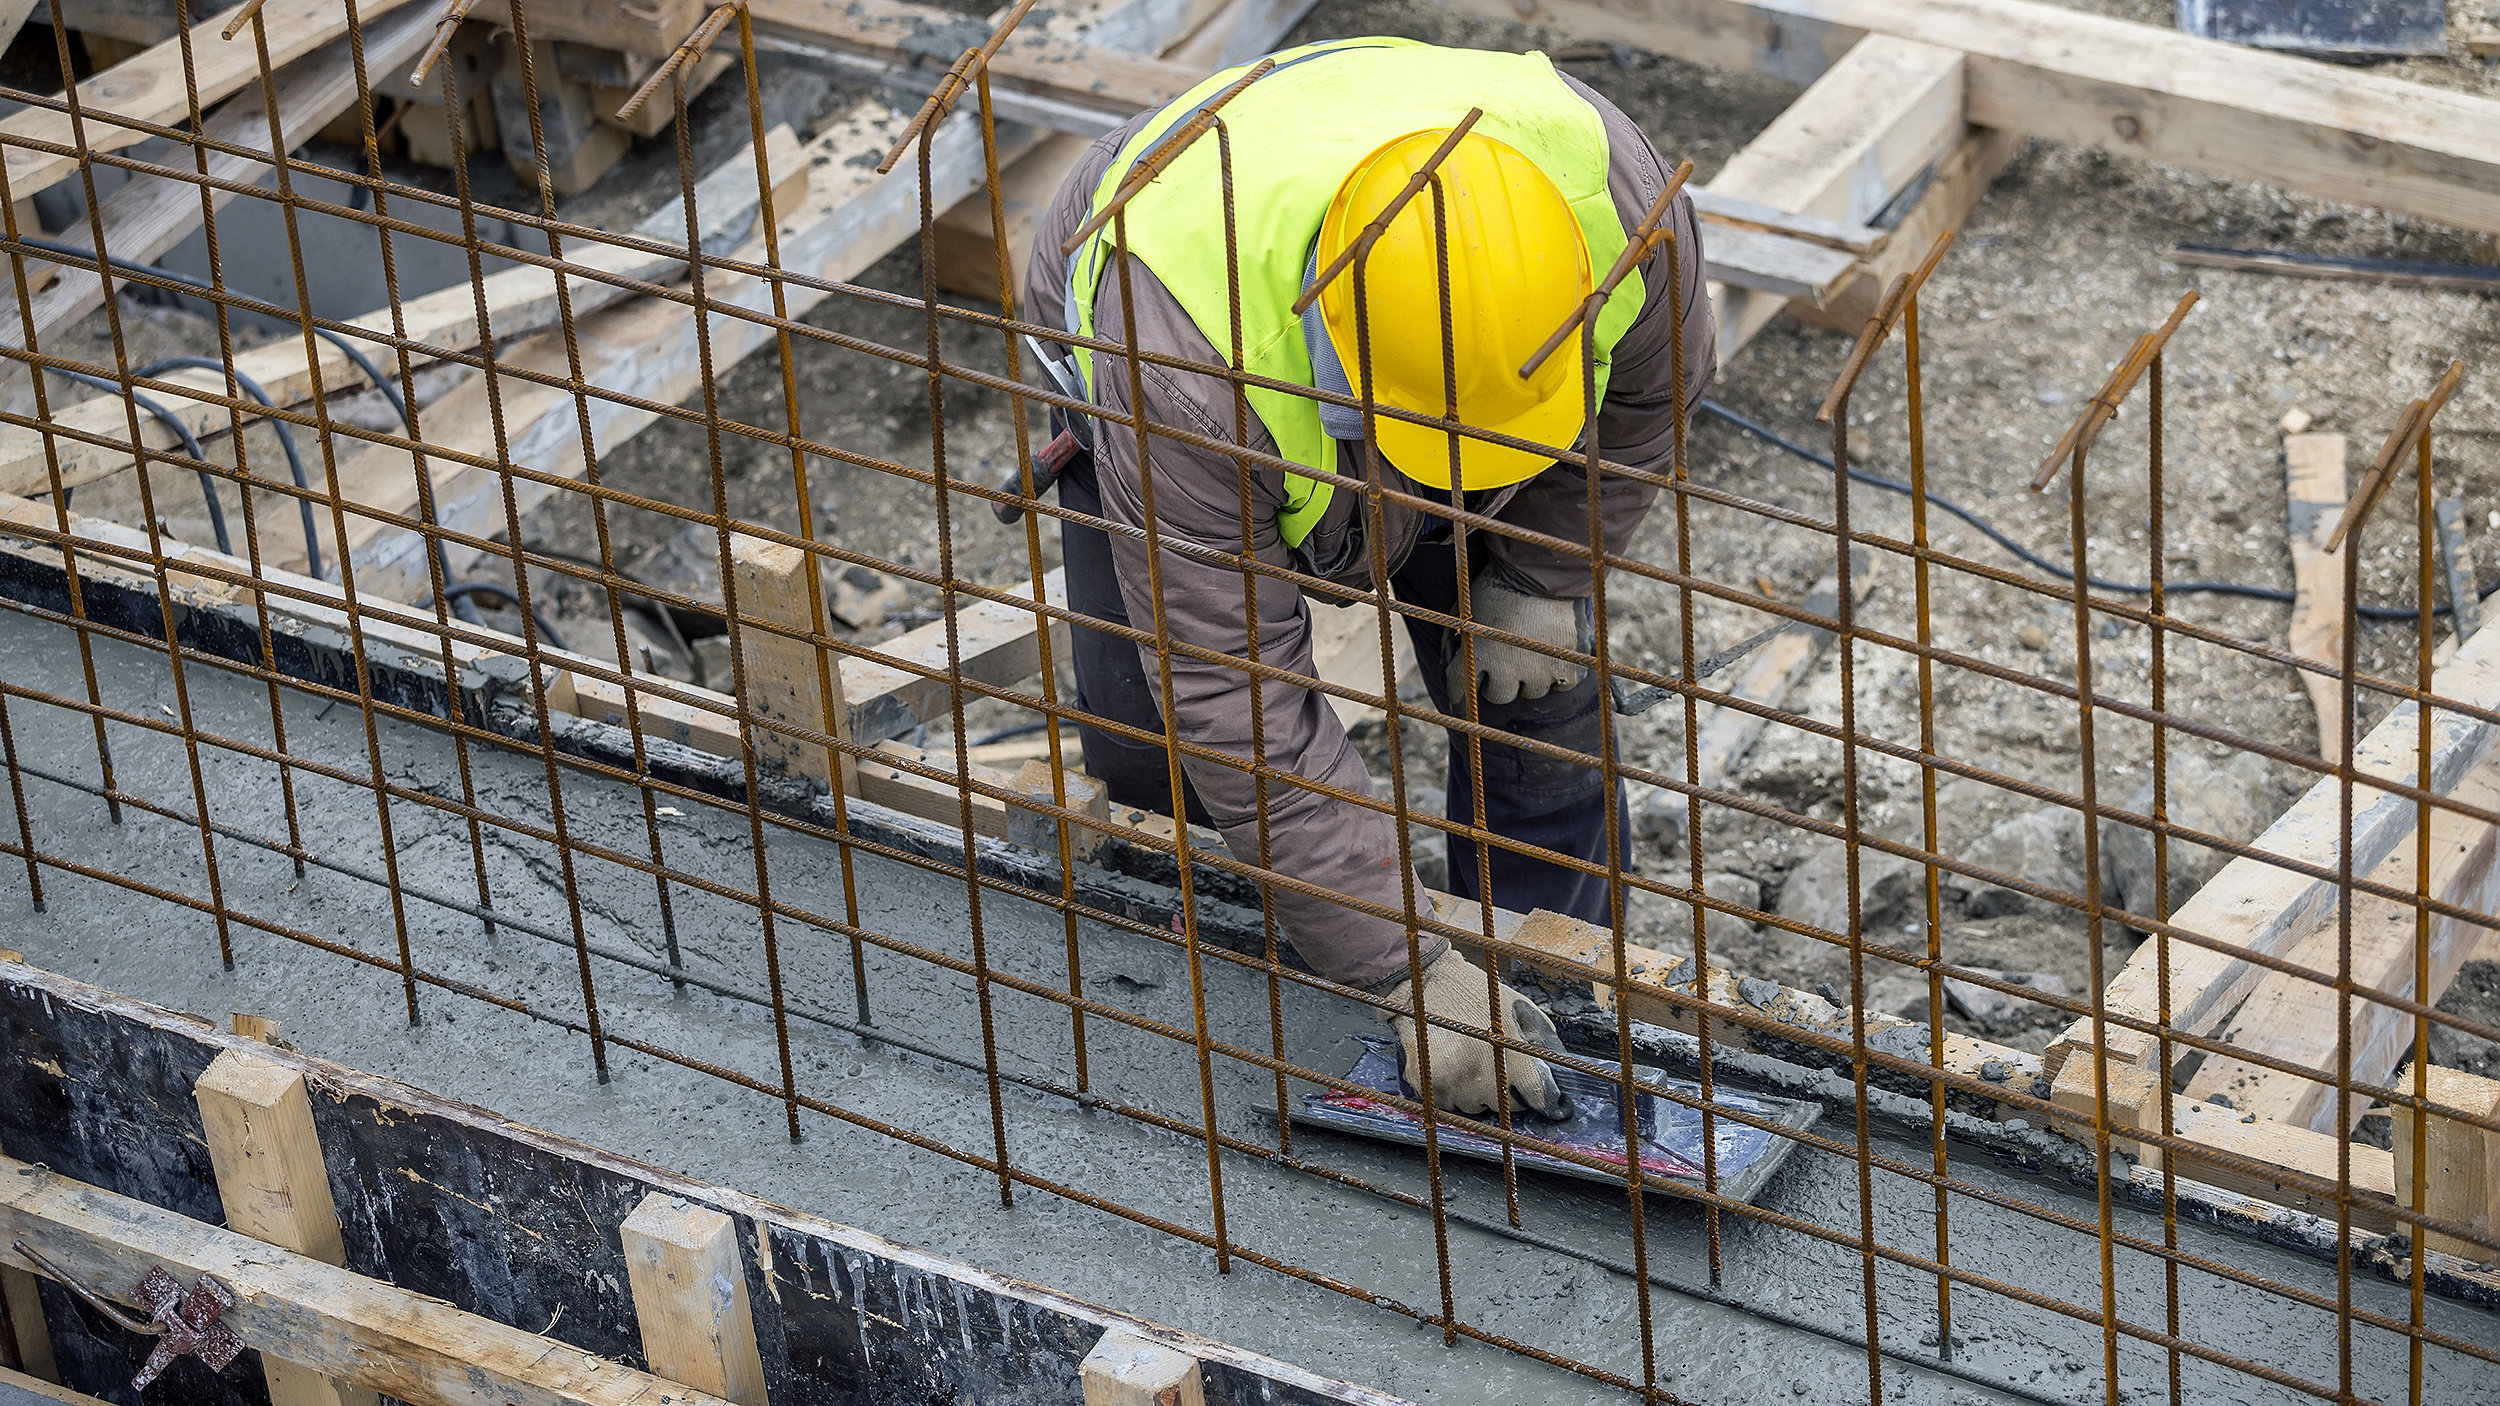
(1518, 267)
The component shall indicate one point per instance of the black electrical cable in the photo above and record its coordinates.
(347, 347)
(286, 441)
(646, 605)
(2064, 571)
(190, 445)
(460, 589)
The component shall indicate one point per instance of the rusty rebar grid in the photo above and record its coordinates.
(752, 295)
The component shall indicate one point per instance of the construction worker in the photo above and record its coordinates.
(1543, 195)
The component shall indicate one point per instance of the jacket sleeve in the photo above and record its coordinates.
(1636, 422)
(1196, 537)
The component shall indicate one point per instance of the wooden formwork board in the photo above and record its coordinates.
(519, 1234)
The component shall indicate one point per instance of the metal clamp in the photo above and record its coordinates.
(182, 1321)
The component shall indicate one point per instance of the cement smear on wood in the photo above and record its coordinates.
(541, 1073)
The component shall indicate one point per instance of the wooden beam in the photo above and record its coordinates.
(1127, 1369)
(519, 300)
(1087, 91)
(1853, 140)
(2257, 906)
(37, 1386)
(690, 1298)
(1960, 180)
(147, 215)
(150, 87)
(257, 1118)
(995, 643)
(650, 28)
(1236, 31)
(1858, 136)
(29, 1336)
(2295, 1019)
(2462, 1161)
(787, 679)
(2135, 1105)
(1041, 74)
(418, 1349)
(2149, 92)
(2313, 483)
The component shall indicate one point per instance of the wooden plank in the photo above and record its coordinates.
(420, 1350)
(2462, 1161)
(787, 679)
(967, 252)
(995, 643)
(651, 28)
(149, 87)
(849, 220)
(28, 1335)
(2135, 1104)
(1856, 137)
(690, 1297)
(1960, 181)
(39, 1387)
(2313, 481)
(146, 216)
(1127, 1369)
(520, 300)
(2255, 905)
(2295, 1019)
(1578, 951)
(2149, 92)
(258, 1121)
(1345, 650)
(1041, 74)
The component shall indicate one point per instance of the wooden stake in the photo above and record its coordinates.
(1125, 1369)
(690, 1296)
(2464, 1161)
(2313, 481)
(29, 1337)
(258, 1120)
(255, 1027)
(785, 678)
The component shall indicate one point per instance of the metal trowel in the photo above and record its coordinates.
(1592, 1125)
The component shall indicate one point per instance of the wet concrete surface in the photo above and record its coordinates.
(541, 1072)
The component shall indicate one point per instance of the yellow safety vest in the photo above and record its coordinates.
(1296, 134)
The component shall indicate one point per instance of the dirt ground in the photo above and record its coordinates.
(2064, 262)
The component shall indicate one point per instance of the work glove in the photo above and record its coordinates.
(1509, 671)
(1462, 1066)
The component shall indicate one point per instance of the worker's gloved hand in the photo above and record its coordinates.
(1462, 1066)
(1509, 671)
